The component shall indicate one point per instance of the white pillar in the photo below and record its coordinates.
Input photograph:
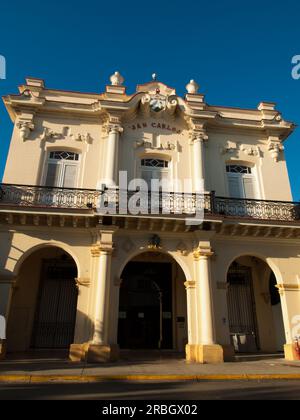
(103, 279)
(191, 311)
(205, 300)
(112, 154)
(199, 160)
(206, 350)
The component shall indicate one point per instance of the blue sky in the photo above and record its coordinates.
(239, 52)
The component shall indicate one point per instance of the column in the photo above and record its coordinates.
(102, 287)
(290, 303)
(7, 284)
(191, 347)
(208, 351)
(198, 139)
(112, 154)
(205, 299)
(100, 349)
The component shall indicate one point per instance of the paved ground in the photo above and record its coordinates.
(221, 390)
(154, 366)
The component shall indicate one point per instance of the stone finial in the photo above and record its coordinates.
(192, 87)
(116, 79)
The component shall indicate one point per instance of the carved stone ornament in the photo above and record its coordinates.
(49, 134)
(25, 128)
(158, 102)
(192, 87)
(275, 148)
(198, 134)
(116, 79)
(85, 138)
(154, 242)
(182, 248)
(236, 148)
(149, 145)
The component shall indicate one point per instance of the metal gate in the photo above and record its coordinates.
(242, 310)
(56, 309)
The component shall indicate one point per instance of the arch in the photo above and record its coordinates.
(43, 312)
(136, 253)
(255, 325)
(152, 302)
(35, 248)
(261, 257)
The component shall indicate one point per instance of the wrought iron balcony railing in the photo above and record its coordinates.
(164, 204)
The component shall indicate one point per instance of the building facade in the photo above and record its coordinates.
(94, 259)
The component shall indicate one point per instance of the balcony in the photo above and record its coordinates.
(166, 204)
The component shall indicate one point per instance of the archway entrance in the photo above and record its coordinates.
(152, 309)
(254, 308)
(44, 304)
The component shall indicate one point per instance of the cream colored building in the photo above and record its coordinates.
(73, 276)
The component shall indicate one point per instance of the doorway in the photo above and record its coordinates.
(57, 303)
(146, 306)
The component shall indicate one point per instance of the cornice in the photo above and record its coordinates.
(36, 98)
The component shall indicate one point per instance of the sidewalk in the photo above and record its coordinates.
(163, 369)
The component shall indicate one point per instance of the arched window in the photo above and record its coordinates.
(153, 168)
(62, 169)
(241, 181)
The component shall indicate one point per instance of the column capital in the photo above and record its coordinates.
(114, 129)
(113, 125)
(102, 249)
(203, 253)
(190, 285)
(198, 136)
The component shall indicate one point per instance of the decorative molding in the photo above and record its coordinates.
(203, 252)
(25, 128)
(84, 138)
(49, 134)
(83, 281)
(288, 288)
(182, 248)
(190, 285)
(149, 145)
(275, 148)
(236, 148)
(198, 134)
(154, 243)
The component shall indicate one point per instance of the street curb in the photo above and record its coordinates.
(35, 379)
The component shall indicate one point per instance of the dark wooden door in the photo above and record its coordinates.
(56, 308)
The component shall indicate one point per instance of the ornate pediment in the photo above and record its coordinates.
(154, 87)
